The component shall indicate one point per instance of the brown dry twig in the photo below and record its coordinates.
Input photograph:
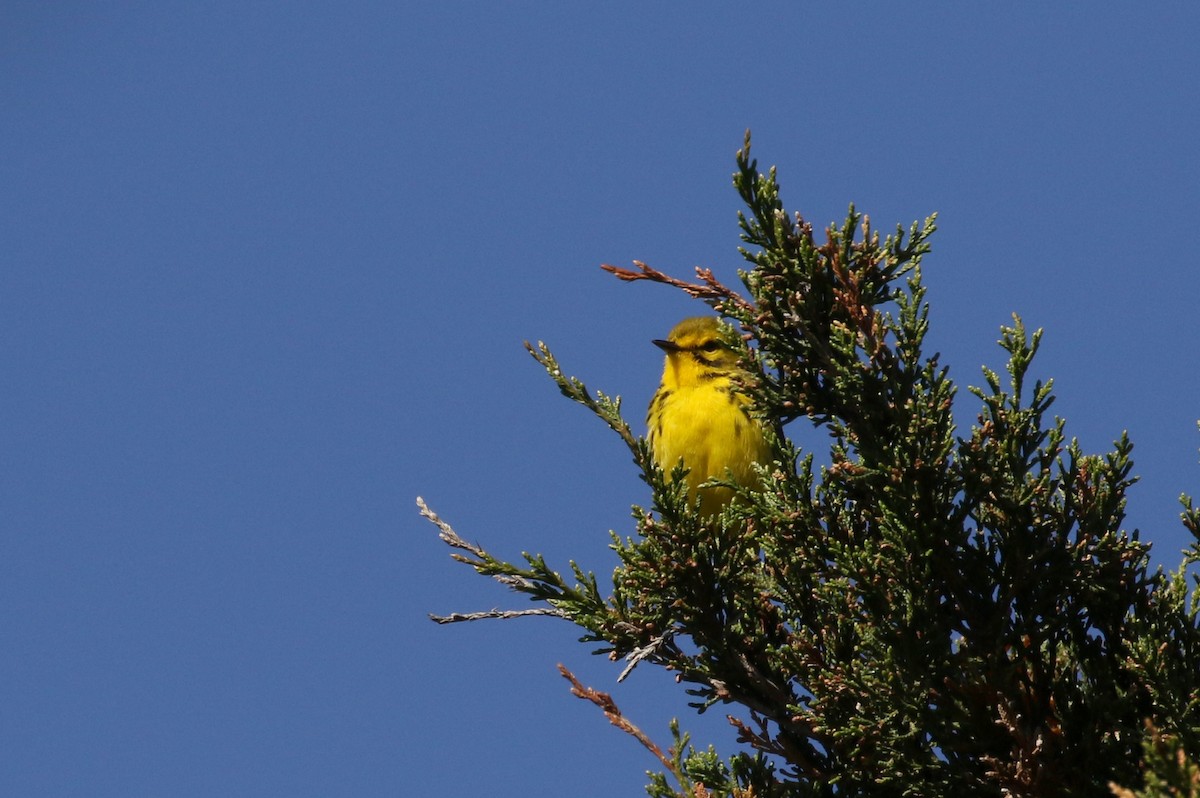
(709, 287)
(613, 713)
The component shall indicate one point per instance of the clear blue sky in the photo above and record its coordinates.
(265, 270)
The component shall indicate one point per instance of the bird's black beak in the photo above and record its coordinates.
(666, 346)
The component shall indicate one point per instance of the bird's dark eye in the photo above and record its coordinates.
(711, 346)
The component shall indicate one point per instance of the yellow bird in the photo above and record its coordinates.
(697, 414)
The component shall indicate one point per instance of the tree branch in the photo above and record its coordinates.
(456, 617)
(708, 289)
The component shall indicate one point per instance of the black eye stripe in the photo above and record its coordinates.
(710, 346)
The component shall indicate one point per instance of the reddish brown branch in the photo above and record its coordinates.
(613, 713)
(709, 286)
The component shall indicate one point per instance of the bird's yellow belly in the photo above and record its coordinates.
(709, 430)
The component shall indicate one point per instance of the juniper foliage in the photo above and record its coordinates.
(927, 615)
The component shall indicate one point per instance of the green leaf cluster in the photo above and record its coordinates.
(932, 613)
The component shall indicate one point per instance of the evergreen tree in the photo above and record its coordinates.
(930, 614)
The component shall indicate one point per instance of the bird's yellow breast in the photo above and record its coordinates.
(698, 417)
